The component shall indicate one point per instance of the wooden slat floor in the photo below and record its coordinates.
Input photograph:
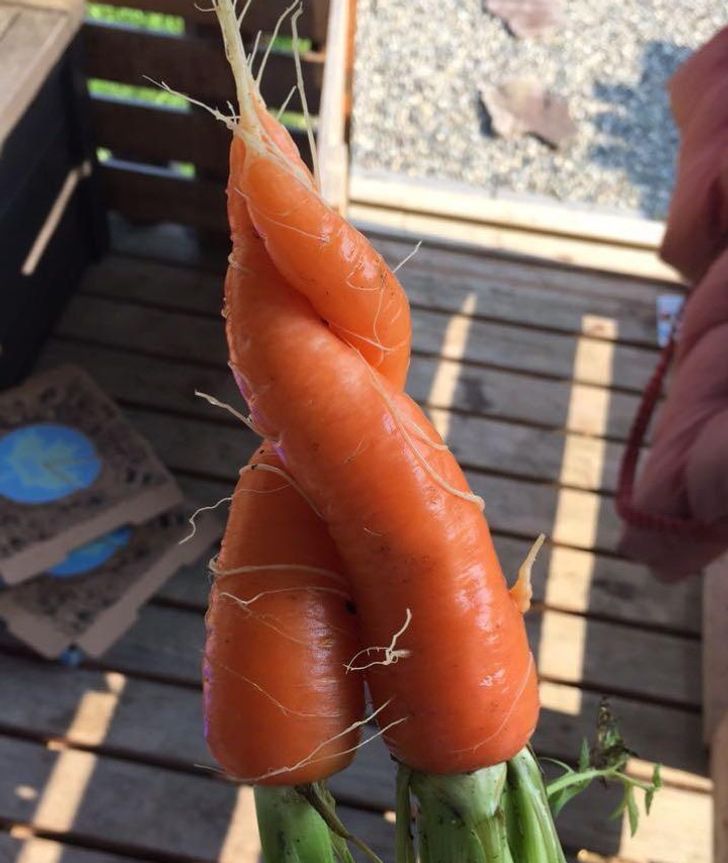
(532, 373)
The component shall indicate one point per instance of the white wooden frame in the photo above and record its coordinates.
(715, 696)
(333, 151)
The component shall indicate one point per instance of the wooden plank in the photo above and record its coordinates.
(478, 391)
(192, 65)
(159, 135)
(503, 295)
(174, 638)
(678, 828)
(715, 641)
(182, 245)
(160, 244)
(16, 848)
(260, 16)
(162, 723)
(565, 579)
(569, 516)
(459, 201)
(148, 197)
(715, 695)
(517, 506)
(221, 450)
(127, 805)
(33, 41)
(448, 260)
(332, 145)
(579, 520)
(147, 809)
(545, 298)
(504, 346)
(583, 306)
(719, 772)
(520, 450)
(571, 650)
(565, 250)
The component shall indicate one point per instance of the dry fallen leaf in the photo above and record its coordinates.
(522, 106)
(527, 18)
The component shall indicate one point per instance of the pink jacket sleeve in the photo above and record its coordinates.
(685, 475)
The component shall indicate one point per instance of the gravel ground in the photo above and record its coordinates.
(417, 110)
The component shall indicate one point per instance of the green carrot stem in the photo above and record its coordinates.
(321, 800)
(291, 831)
(586, 776)
(499, 814)
(460, 819)
(532, 831)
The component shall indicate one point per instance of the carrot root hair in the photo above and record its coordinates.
(287, 711)
(218, 572)
(193, 518)
(400, 422)
(230, 120)
(245, 420)
(392, 654)
(270, 468)
(408, 257)
(313, 757)
(249, 126)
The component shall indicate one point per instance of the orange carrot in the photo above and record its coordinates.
(404, 521)
(318, 331)
(314, 248)
(280, 707)
(460, 692)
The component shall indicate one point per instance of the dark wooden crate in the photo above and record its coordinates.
(49, 206)
(145, 140)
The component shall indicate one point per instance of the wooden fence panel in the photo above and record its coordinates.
(260, 16)
(160, 135)
(149, 197)
(144, 139)
(192, 65)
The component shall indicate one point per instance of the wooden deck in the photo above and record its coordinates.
(532, 372)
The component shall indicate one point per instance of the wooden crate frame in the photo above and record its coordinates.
(453, 213)
(145, 139)
(715, 696)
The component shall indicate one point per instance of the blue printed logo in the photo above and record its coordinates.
(46, 461)
(93, 554)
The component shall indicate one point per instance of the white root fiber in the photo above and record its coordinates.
(217, 571)
(392, 654)
(287, 711)
(400, 423)
(408, 257)
(193, 518)
(247, 421)
(312, 759)
(270, 468)
(249, 127)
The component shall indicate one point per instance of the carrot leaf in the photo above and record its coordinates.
(606, 759)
